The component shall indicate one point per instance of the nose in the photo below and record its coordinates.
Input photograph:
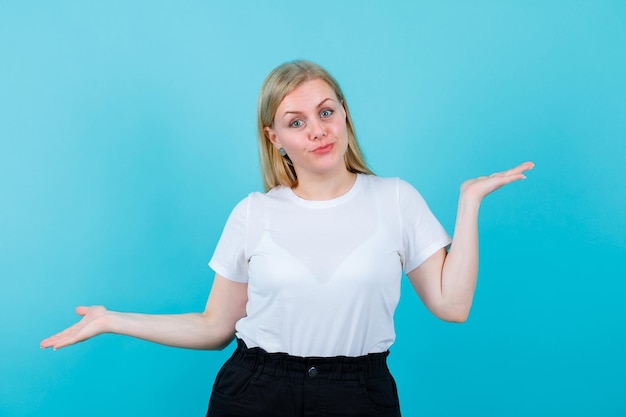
(317, 130)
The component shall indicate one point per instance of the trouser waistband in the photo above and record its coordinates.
(334, 368)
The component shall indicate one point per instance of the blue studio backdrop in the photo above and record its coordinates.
(127, 134)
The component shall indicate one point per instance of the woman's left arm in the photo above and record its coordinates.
(447, 280)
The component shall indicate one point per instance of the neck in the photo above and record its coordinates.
(324, 187)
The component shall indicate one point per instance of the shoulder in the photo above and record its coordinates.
(387, 184)
(395, 191)
(278, 192)
(242, 208)
(376, 181)
(256, 199)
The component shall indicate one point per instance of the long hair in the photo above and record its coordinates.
(281, 81)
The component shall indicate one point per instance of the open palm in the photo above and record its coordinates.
(482, 186)
(92, 324)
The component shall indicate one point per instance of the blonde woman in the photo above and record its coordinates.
(308, 273)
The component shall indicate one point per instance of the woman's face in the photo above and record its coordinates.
(310, 125)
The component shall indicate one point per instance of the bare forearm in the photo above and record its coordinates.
(190, 330)
(212, 329)
(460, 269)
(446, 282)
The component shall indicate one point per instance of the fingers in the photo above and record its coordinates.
(481, 186)
(68, 336)
(55, 342)
(519, 169)
(60, 340)
(513, 174)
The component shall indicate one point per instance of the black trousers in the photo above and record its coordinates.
(254, 383)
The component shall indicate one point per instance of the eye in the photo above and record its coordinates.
(296, 123)
(326, 113)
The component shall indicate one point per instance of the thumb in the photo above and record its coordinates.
(81, 310)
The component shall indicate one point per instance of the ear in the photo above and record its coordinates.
(270, 134)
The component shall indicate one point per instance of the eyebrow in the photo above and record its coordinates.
(299, 112)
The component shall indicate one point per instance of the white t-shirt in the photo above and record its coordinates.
(324, 276)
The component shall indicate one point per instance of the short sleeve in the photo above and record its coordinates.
(229, 259)
(422, 234)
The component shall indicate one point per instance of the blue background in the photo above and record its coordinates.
(127, 134)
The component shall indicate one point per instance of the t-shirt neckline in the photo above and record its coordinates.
(326, 203)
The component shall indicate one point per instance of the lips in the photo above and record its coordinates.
(323, 149)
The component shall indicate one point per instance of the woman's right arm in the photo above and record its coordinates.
(212, 329)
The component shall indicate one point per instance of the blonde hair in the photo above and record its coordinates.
(281, 81)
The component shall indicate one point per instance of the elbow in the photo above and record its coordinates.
(458, 318)
(225, 341)
(457, 314)
(217, 343)
(221, 345)
(218, 333)
(222, 338)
